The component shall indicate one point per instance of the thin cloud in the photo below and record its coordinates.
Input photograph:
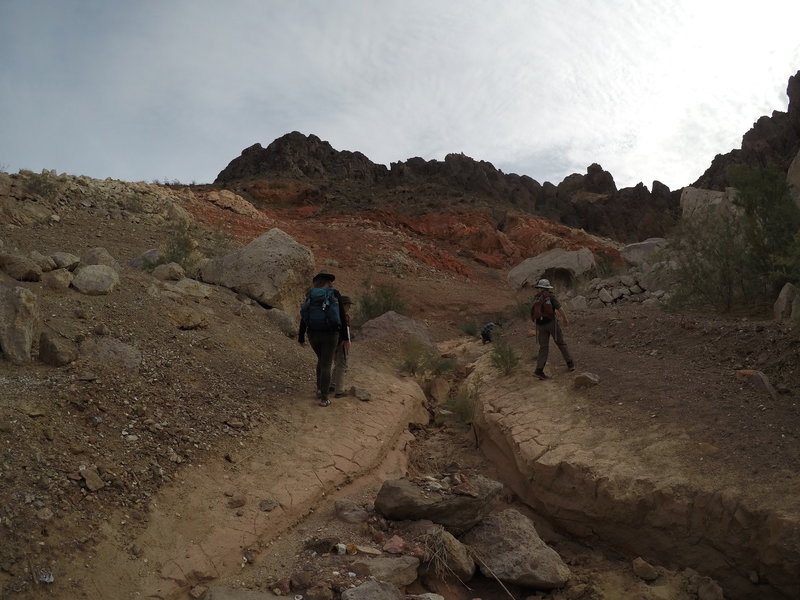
(176, 89)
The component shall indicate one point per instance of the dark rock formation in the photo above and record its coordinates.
(345, 182)
(295, 156)
(771, 140)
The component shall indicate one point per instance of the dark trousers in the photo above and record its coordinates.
(324, 344)
(543, 334)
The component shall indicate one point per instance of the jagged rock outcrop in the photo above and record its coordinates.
(774, 139)
(296, 156)
(305, 169)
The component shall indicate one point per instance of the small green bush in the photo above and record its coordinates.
(504, 357)
(379, 299)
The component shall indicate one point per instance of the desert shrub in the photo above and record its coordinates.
(420, 358)
(180, 248)
(729, 258)
(462, 400)
(708, 262)
(43, 184)
(437, 552)
(133, 203)
(604, 265)
(504, 357)
(469, 328)
(770, 224)
(379, 299)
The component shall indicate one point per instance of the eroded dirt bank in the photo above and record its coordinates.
(654, 492)
(222, 514)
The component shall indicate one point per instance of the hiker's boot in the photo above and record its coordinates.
(540, 374)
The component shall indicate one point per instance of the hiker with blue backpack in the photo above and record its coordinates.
(322, 318)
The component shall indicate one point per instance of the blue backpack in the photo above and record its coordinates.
(320, 310)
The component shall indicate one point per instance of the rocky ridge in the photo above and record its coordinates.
(773, 139)
(346, 182)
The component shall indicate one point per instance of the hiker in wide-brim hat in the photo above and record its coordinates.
(549, 318)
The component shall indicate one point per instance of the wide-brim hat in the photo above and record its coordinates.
(543, 284)
(325, 276)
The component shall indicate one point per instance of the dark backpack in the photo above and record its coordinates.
(320, 310)
(542, 310)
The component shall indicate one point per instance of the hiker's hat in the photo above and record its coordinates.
(544, 284)
(346, 300)
(325, 276)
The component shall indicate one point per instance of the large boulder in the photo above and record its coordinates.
(20, 268)
(395, 325)
(456, 508)
(561, 266)
(698, 203)
(228, 200)
(642, 252)
(19, 322)
(787, 306)
(95, 280)
(98, 256)
(508, 547)
(273, 269)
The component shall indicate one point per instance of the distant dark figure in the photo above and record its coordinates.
(486, 332)
(342, 351)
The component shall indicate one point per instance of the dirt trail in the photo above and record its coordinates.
(213, 520)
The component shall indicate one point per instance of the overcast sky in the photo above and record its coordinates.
(176, 89)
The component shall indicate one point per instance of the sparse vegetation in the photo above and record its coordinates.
(437, 553)
(43, 184)
(770, 224)
(379, 299)
(462, 400)
(707, 258)
(181, 248)
(742, 256)
(421, 359)
(604, 265)
(504, 356)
